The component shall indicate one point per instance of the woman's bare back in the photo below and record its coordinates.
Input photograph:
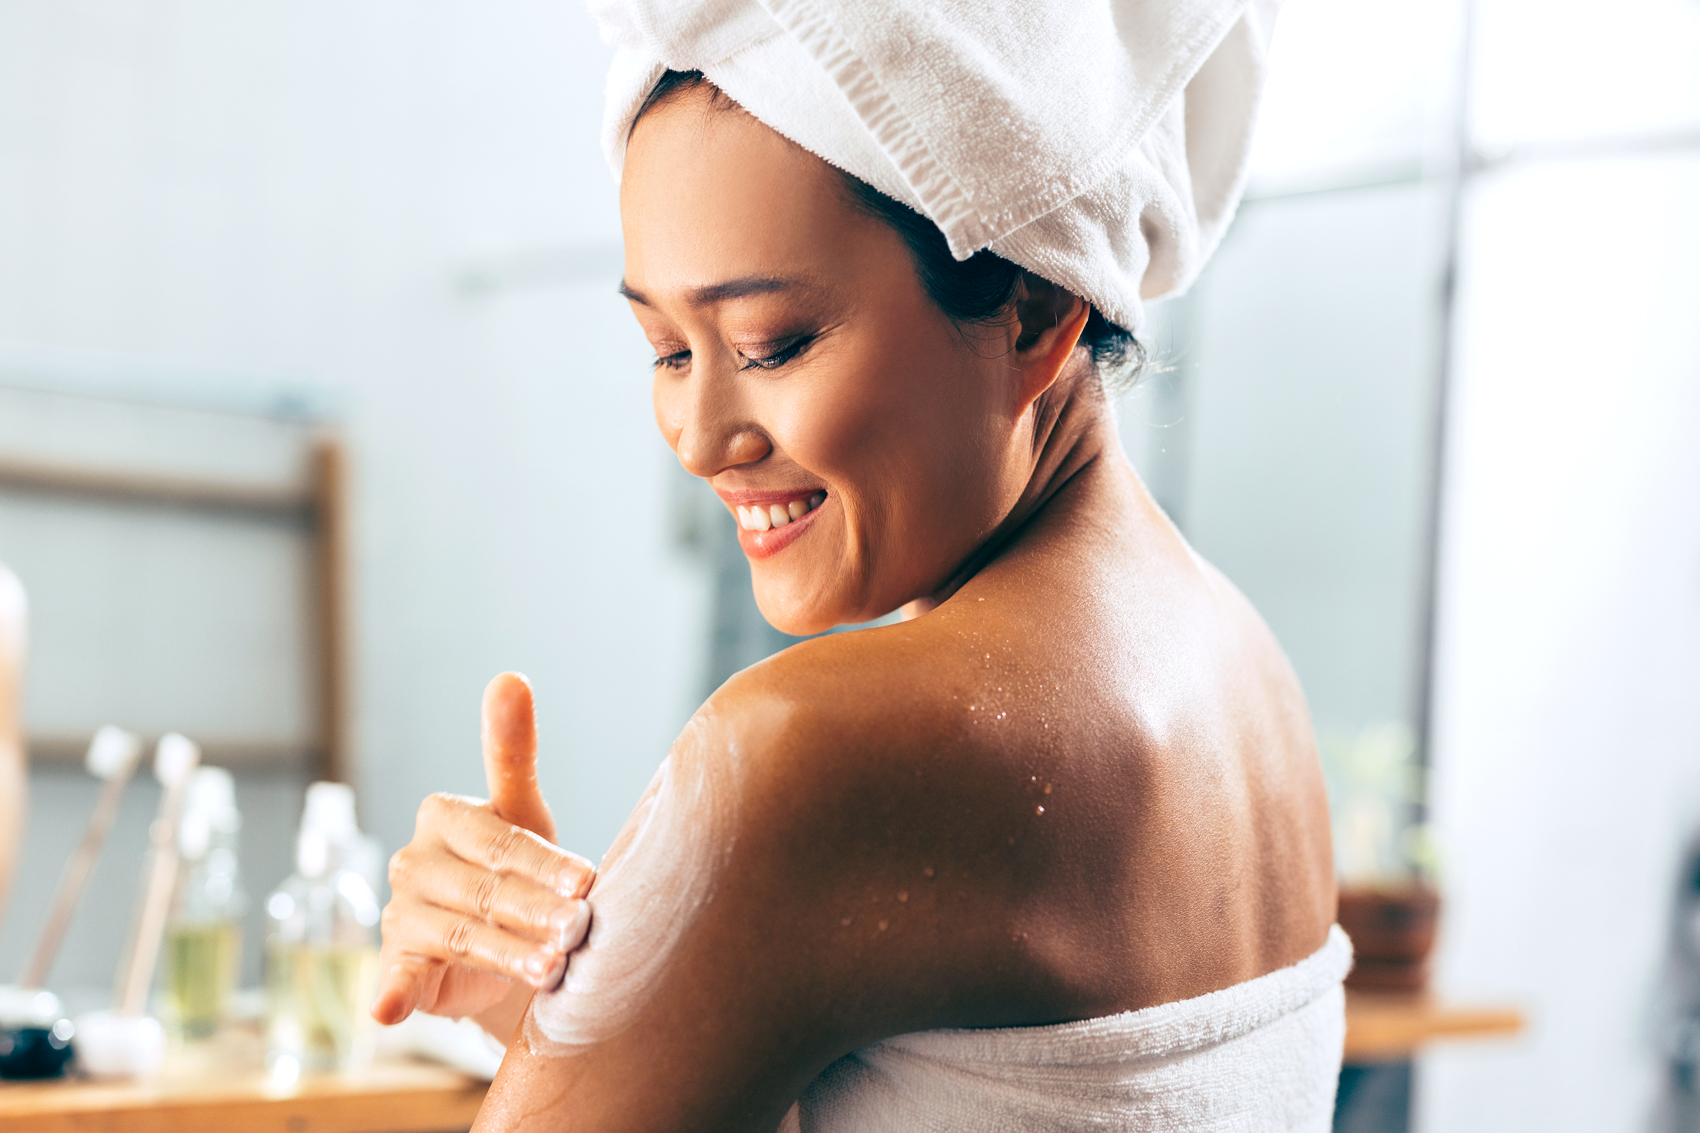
(1105, 705)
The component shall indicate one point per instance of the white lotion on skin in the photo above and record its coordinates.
(657, 876)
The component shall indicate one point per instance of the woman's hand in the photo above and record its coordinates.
(484, 908)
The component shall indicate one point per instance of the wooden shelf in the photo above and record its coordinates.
(220, 1088)
(1382, 1027)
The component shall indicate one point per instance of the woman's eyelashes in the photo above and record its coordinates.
(779, 357)
(679, 359)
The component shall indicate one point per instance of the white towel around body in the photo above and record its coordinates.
(1263, 1055)
(1100, 144)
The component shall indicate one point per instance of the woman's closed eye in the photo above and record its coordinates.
(778, 357)
(677, 360)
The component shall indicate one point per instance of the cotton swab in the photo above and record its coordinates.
(112, 756)
(175, 760)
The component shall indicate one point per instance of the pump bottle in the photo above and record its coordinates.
(322, 945)
(203, 940)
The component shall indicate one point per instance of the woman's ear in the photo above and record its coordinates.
(1050, 321)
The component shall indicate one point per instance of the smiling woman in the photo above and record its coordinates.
(1070, 801)
(817, 364)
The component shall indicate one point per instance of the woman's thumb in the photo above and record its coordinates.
(510, 755)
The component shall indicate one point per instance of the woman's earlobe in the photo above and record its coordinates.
(1051, 320)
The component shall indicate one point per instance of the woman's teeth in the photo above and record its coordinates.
(766, 518)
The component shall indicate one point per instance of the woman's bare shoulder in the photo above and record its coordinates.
(940, 728)
(802, 878)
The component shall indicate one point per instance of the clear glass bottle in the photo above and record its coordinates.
(322, 946)
(203, 939)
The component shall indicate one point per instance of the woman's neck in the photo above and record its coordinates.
(1073, 433)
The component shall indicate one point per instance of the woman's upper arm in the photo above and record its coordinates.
(784, 894)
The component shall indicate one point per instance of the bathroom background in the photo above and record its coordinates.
(1435, 407)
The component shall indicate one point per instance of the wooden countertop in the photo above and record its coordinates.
(219, 1088)
(223, 1087)
(1382, 1026)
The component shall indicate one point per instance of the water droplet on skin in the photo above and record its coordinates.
(903, 896)
(927, 871)
(1038, 810)
(883, 924)
(1047, 788)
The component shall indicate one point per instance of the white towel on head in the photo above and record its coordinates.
(1100, 144)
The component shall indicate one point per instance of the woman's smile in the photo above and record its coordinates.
(768, 522)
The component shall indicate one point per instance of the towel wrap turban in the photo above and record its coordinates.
(1100, 144)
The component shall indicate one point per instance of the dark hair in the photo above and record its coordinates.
(976, 290)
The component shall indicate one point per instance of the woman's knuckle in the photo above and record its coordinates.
(484, 893)
(507, 846)
(462, 936)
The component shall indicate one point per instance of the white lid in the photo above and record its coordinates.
(210, 804)
(330, 807)
(28, 1007)
(174, 758)
(112, 752)
(328, 831)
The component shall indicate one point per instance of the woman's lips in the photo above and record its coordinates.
(768, 522)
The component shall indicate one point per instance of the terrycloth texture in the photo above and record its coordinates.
(1100, 144)
(1262, 1055)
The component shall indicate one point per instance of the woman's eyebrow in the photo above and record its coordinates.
(711, 293)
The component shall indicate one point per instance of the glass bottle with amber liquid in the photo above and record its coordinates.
(322, 945)
(203, 939)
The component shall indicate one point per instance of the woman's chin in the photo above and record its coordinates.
(789, 613)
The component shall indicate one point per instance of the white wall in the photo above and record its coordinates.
(298, 188)
(1568, 739)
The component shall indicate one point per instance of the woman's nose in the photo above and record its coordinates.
(704, 421)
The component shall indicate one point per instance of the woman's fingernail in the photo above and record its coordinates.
(538, 962)
(552, 979)
(567, 924)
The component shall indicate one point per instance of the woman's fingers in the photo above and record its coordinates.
(510, 755)
(438, 934)
(507, 900)
(474, 834)
(481, 895)
(407, 982)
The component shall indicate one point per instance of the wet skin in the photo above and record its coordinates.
(1078, 778)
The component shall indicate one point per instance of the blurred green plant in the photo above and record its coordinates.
(1376, 788)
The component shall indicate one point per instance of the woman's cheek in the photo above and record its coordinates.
(842, 418)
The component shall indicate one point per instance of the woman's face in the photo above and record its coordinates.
(864, 444)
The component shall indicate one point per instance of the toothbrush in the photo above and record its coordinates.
(175, 760)
(112, 757)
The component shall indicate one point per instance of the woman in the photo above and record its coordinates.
(1071, 801)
